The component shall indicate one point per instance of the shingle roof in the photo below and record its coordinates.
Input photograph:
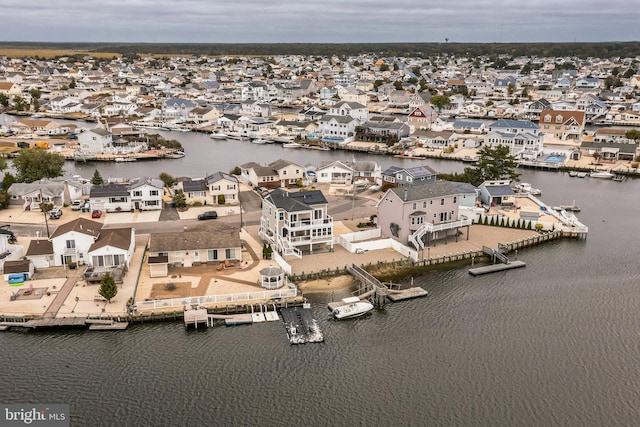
(111, 189)
(214, 237)
(80, 225)
(425, 191)
(116, 237)
(40, 247)
(295, 201)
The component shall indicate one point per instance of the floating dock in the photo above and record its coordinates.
(404, 294)
(301, 327)
(493, 268)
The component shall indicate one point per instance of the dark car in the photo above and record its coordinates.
(208, 215)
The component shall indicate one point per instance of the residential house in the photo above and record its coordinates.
(95, 141)
(146, 194)
(212, 244)
(523, 137)
(564, 125)
(71, 241)
(177, 108)
(466, 126)
(40, 252)
(296, 222)
(396, 176)
(436, 139)
(57, 191)
(112, 197)
(386, 132)
(223, 189)
(420, 214)
(114, 247)
(10, 89)
(280, 173)
(497, 193)
(422, 117)
(335, 172)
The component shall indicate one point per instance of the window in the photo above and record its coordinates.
(137, 193)
(212, 255)
(154, 192)
(117, 199)
(71, 244)
(455, 199)
(414, 206)
(441, 201)
(230, 253)
(424, 204)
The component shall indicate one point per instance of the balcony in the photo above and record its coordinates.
(308, 224)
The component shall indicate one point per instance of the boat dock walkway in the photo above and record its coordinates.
(67, 322)
(478, 271)
(202, 317)
(301, 327)
(370, 286)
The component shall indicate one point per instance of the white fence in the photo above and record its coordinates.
(359, 240)
(281, 262)
(289, 292)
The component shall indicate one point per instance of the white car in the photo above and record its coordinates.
(27, 136)
(76, 205)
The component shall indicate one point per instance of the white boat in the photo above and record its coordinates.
(125, 159)
(601, 174)
(259, 141)
(218, 135)
(353, 307)
(175, 155)
(292, 145)
(525, 187)
(581, 175)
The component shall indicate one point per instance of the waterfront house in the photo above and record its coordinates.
(436, 139)
(95, 141)
(40, 252)
(523, 137)
(335, 173)
(211, 244)
(497, 193)
(422, 117)
(366, 170)
(293, 222)
(146, 194)
(112, 197)
(113, 248)
(420, 214)
(564, 125)
(280, 173)
(611, 151)
(396, 176)
(177, 108)
(466, 126)
(71, 241)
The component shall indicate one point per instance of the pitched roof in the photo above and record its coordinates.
(425, 191)
(40, 247)
(109, 190)
(219, 236)
(115, 237)
(295, 201)
(80, 225)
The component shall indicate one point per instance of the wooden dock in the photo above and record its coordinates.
(113, 326)
(301, 327)
(403, 294)
(478, 271)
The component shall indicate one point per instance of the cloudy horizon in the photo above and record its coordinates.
(331, 21)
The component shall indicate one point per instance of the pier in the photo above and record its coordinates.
(301, 327)
(496, 255)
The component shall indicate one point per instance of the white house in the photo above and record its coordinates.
(146, 194)
(113, 248)
(110, 198)
(335, 173)
(71, 241)
(95, 141)
(223, 186)
(523, 137)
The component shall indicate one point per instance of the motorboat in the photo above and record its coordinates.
(353, 307)
(525, 187)
(175, 155)
(601, 174)
(218, 135)
(581, 175)
(291, 145)
(259, 141)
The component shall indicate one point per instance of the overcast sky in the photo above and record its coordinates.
(325, 21)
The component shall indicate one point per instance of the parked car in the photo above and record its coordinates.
(96, 214)
(86, 207)
(208, 215)
(55, 213)
(77, 205)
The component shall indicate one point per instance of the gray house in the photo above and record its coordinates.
(421, 214)
(398, 177)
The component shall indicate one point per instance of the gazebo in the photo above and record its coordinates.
(272, 277)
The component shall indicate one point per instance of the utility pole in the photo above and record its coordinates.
(46, 220)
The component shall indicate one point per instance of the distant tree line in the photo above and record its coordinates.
(420, 50)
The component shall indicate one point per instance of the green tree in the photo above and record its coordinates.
(8, 180)
(72, 84)
(97, 178)
(440, 101)
(35, 97)
(384, 67)
(633, 134)
(494, 163)
(179, 199)
(398, 85)
(4, 100)
(167, 179)
(108, 288)
(34, 164)
(221, 199)
(4, 199)
(236, 171)
(19, 104)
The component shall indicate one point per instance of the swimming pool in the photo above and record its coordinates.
(554, 159)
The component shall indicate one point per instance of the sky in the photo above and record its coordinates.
(326, 21)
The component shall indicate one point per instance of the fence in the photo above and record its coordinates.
(292, 291)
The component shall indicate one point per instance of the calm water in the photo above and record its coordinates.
(552, 344)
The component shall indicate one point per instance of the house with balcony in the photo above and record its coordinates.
(421, 214)
(564, 125)
(71, 241)
(146, 194)
(210, 244)
(57, 191)
(497, 193)
(280, 173)
(335, 172)
(523, 137)
(296, 222)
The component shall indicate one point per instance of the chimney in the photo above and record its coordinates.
(406, 195)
